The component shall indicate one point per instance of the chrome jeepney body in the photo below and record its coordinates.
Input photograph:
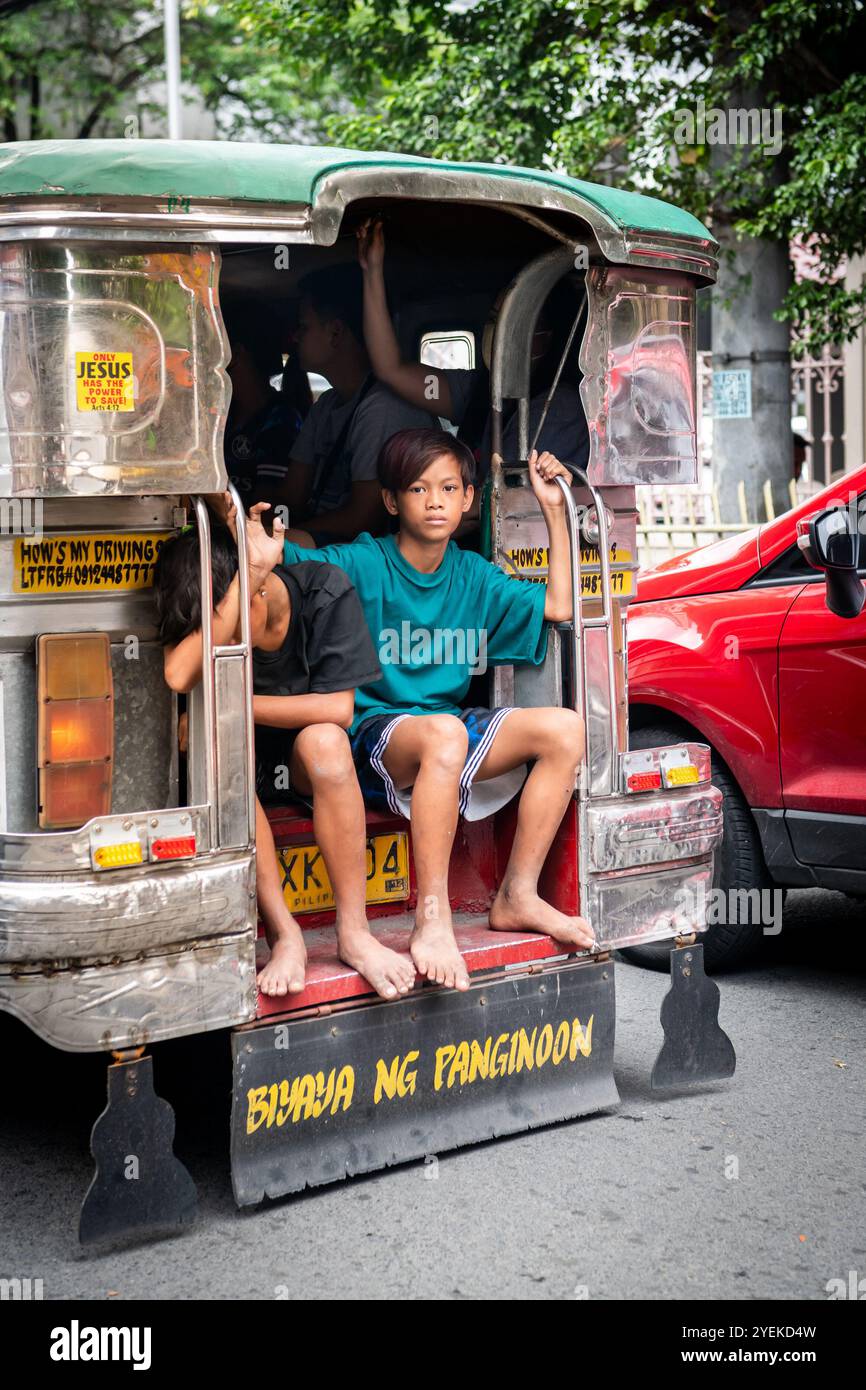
(92, 478)
(112, 252)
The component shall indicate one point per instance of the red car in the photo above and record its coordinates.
(734, 644)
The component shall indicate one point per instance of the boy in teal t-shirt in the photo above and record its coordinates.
(438, 615)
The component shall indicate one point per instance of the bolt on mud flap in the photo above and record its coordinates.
(695, 1048)
(320, 1099)
(140, 1188)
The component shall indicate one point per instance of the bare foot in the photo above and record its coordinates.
(435, 953)
(515, 909)
(284, 972)
(388, 973)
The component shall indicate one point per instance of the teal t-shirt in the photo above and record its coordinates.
(433, 632)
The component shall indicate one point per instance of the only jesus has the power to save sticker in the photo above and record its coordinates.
(104, 381)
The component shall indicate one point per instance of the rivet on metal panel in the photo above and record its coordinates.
(127, 825)
(687, 970)
(481, 999)
(154, 821)
(604, 974)
(248, 1048)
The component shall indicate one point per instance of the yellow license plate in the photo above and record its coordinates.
(307, 887)
(530, 562)
(104, 562)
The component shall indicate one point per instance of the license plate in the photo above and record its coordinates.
(102, 562)
(530, 562)
(307, 887)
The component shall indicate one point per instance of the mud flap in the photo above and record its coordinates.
(140, 1188)
(695, 1048)
(319, 1099)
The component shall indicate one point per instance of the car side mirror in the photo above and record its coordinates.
(830, 541)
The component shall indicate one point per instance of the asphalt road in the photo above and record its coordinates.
(633, 1203)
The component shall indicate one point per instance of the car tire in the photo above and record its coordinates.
(739, 865)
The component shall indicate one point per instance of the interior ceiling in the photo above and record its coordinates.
(433, 249)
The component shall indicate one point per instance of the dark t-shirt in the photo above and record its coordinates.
(257, 452)
(327, 647)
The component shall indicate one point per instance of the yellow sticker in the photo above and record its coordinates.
(86, 564)
(103, 381)
(529, 562)
(525, 558)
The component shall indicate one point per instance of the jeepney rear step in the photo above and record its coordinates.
(329, 980)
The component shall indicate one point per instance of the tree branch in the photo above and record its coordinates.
(121, 85)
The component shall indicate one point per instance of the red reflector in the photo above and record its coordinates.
(644, 781)
(179, 847)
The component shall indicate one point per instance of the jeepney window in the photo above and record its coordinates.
(448, 348)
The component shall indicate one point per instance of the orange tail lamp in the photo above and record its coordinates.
(75, 728)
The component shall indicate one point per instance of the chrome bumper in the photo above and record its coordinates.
(115, 960)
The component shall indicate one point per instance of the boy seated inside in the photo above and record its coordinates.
(438, 614)
(311, 648)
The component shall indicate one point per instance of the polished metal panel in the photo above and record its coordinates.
(221, 757)
(632, 907)
(60, 305)
(150, 220)
(120, 912)
(18, 768)
(654, 828)
(132, 1003)
(233, 814)
(638, 358)
(618, 244)
(65, 851)
(515, 323)
(598, 694)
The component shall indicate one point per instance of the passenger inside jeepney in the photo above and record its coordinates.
(418, 750)
(263, 422)
(330, 486)
(311, 648)
(456, 392)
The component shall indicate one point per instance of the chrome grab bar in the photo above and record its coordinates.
(246, 648)
(207, 664)
(212, 654)
(580, 624)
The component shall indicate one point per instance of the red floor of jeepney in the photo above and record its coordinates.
(474, 867)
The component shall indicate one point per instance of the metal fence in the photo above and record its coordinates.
(674, 520)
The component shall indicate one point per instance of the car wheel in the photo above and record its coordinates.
(739, 865)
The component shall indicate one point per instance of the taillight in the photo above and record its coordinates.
(652, 769)
(644, 781)
(75, 728)
(178, 847)
(681, 776)
(119, 855)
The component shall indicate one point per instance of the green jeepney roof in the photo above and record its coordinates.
(230, 170)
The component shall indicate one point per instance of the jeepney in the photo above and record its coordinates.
(127, 898)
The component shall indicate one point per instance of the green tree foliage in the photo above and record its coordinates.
(81, 68)
(595, 89)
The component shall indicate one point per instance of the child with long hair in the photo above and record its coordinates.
(311, 649)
